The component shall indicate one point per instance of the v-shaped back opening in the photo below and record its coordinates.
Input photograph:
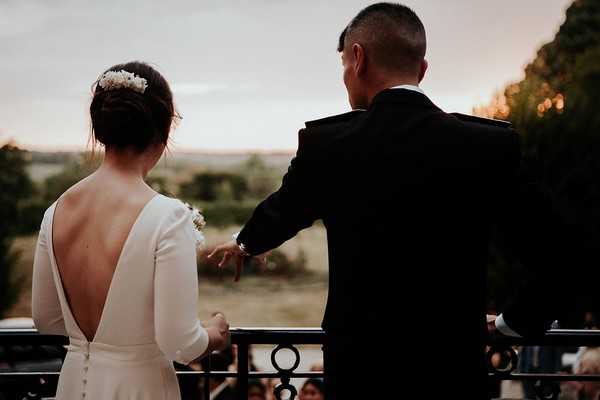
(60, 287)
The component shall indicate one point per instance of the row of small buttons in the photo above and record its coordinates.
(85, 368)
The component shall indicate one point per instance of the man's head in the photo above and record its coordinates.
(383, 45)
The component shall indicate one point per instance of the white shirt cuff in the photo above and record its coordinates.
(504, 328)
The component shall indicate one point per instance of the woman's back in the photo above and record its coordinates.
(145, 306)
(91, 223)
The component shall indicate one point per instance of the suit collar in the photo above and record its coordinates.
(402, 96)
(333, 119)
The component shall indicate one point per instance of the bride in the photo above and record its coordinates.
(115, 264)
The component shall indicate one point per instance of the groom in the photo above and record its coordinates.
(408, 195)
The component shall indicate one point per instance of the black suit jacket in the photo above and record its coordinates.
(409, 195)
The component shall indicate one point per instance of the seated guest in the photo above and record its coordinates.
(312, 389)
(219, 387)
(257, 390)
(589, 364)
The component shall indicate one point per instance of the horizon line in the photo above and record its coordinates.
(171, 150)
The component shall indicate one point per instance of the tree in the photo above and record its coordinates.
(73, 171)
(262, 180)
(554, 110)
(15, 186)
(215, 186)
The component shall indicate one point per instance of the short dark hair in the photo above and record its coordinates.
(391, 33)
(124, 118)
(317, 383)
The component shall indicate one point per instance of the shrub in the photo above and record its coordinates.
(16, 186)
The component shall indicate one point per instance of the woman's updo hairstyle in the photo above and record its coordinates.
(126, 117)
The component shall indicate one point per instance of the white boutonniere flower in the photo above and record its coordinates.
(199, 223)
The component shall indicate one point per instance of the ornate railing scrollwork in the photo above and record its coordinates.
(547, 390)
(502, 359)
(285, 373)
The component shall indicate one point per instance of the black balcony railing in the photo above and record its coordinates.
(35, 384)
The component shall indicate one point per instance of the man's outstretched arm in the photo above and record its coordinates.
(278, 218)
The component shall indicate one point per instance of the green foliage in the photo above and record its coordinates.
(226, 213)
(15, 186)
(229, 197)
(555, 111)
(53, 157)
(160, 184)
(73, 172)
(31, 209)
(30, 215)
(213, 186)
(261, 179)
(11, 282)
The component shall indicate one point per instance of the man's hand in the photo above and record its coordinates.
(231, 251)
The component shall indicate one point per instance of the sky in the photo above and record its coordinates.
(245, 74)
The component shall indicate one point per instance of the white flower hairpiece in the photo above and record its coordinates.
(122, 79)
(199, 223)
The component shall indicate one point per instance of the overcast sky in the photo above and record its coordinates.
(246, 74)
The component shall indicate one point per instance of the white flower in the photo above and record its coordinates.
(198, 222)
(122, 79)
(199, 236)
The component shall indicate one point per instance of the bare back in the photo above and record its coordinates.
(91, 224)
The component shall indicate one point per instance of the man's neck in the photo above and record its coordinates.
(390, 83)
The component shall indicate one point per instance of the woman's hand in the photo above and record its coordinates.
(218, 332)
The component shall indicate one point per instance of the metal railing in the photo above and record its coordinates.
(40, 383)
(43, 383)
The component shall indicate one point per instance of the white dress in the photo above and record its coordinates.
(148, 320)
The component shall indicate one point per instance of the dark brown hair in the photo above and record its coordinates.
(126, 119)
(391, 33)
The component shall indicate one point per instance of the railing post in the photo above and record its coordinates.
(243, 369)
(206, 388)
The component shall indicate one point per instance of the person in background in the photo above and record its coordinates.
(538, 360)
(589, 364)
(220, 389)
(317, 367)
(313, 389)
(257, 390)
(590, 321)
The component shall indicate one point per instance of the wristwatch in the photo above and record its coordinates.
(241, 246)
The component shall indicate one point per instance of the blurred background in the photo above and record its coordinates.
(246, 75)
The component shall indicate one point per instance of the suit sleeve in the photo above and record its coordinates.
(295, 206)
(554, 254)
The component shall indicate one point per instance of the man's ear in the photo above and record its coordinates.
(360, 65)
(423, 69)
